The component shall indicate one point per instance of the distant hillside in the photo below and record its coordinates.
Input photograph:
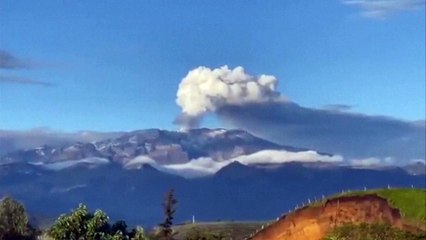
(400, 208)
(234, 193)
(229, 230)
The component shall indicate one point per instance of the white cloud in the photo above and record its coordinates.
(199, 167)
(92, 162)
(138, 161)
(206, 166)
(371, 161)
(277, 156)
(381, 9)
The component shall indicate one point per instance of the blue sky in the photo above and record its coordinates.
(116, 65)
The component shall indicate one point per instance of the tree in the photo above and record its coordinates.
(14, 222)
(80, 224)
(119, 236)
(169, 206)
(72, 226)
(119, 226)
(139, 234)
(97, 226)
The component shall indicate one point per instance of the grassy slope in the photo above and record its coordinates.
(238, 230)
(411, 202)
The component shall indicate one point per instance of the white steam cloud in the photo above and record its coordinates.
(204, 90)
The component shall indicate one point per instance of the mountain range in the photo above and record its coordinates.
(165, 147)
(217, 174)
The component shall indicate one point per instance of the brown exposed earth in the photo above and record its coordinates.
(314, 222)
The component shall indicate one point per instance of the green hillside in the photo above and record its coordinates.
(411, 202)
(228, 230)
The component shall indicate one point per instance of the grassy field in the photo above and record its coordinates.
(236, 230)
(411, 202)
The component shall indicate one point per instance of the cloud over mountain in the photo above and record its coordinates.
(206, 166)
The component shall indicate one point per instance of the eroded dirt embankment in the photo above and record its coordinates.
(312, 223)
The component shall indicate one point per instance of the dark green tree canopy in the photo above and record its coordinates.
(14, 222)
(80, 224)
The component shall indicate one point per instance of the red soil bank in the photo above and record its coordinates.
(313, 222)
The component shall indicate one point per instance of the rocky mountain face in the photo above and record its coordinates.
(416, 168)
(165, 147)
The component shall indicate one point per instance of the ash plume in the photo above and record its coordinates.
(255, 105)
(204, 90)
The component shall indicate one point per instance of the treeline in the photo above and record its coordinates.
(81, 224)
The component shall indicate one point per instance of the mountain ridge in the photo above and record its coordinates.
(193, 153)
(234, 172)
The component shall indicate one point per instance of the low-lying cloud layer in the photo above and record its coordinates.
(355, 136)
(206, 166)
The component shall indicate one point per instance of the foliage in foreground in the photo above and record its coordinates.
(14, 222)
(372, 232)
(81, 224)
(169, 206)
